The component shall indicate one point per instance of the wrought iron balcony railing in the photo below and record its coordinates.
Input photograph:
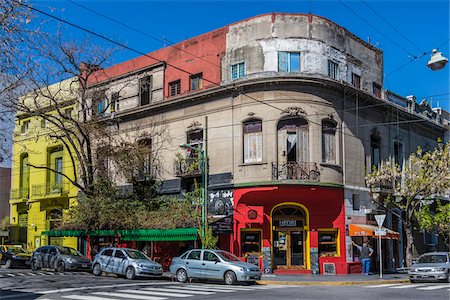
(187, 167)
(49, 189)
(20, 193)
(295, 171)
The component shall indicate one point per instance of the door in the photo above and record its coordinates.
(280, 248)
(119, 262)
(296, 246)
(193, 264)
(288, 248)
(211, 265)
(106, 260)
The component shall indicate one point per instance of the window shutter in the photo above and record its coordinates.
(303, 145)
(282, 141)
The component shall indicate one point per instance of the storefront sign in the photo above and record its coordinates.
(220, 202)
(223, 226)
(287, 223)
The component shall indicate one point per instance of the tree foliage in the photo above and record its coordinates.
(418, 181)
(436, 218)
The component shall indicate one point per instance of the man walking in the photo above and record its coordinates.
(365, 254)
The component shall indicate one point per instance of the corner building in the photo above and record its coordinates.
(296, 113)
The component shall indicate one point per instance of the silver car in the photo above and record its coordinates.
(213, 264)
(433, 266)
(124, 261)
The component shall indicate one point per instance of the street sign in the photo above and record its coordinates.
(380, 220)
(380, 232)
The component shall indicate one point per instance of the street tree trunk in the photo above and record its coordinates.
(409, 244)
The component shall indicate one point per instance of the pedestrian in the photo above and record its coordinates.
(365, 254)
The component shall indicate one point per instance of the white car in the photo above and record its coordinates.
(433, 266)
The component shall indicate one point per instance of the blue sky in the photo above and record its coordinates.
(419, 26)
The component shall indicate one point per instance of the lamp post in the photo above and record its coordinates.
(204, 171)
(437, 60)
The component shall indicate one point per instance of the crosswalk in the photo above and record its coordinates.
(40, 273)
(418, 286)
(163, 292)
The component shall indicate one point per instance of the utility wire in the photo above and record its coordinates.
(374, 27)
(390, 25)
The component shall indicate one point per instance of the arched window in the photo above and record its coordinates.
(329, 141)
(252, 135)
(24, 176)
(293, 140)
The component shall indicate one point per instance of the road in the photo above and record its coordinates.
(25, 284)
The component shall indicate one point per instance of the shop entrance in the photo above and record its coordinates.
(288, 238)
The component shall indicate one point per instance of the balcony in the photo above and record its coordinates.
(50, 189)
(295, 171)
(383, 188)
(20, 193)
(187, 167)
(145, 175)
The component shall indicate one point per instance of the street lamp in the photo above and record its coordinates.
(437, 61)
(204, 170)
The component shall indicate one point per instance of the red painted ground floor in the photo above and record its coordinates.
(290, 229)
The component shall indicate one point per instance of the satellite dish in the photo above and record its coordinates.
(437, 61)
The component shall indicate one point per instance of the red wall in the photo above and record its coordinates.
(325, 207)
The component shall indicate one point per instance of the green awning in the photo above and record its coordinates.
(176, 234)
(156, 235)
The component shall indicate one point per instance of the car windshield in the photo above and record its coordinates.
(432, 259)
(226, 256)
(15, 250)
(69, 251)
(135, 254)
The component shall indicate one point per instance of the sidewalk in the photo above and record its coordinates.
(350, 279)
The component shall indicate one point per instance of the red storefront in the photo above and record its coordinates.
(293, 229)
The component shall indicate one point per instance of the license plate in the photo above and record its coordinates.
(84, 265)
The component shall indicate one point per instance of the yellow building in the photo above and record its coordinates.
(40, 197)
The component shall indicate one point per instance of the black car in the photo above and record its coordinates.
(14, 256)
(59, 258)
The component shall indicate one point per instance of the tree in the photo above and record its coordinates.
(420, 180)
(436, 218)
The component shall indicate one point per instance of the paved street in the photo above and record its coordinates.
(25, 284)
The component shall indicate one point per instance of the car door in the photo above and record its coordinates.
(193, 264)
(39, 255)
(211, 265)
(106, 260)
(2, 255)
(119, 262)
(51, 257)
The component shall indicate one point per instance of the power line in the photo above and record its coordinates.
(379, 31)
(390, 25)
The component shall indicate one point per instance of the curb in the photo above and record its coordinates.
(269, 282)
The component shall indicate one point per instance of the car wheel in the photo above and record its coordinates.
(34, 267)
(130, 273)
(60, 267)
(182, 275)
(412, 281)
(97, 270)
(230, 278)
(8, 264)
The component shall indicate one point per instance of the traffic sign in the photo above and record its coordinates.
(380, 220)
(380, 232)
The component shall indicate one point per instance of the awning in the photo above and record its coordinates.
(369, 230)
(176, 234)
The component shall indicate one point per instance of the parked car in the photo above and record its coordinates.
(433, 266)
(14, 256)
(213, 264)
(124, 261)
(59, 258)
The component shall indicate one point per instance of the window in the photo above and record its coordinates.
(356, 202)
(237, 71)
(195, 139)
(101, 106)
(209, 256)
(333, 70)
(328, 242)
(107, 252)
(328, 142)
(175, 88)
(44, 123)
(251, 242)
(119, 254)
(24, 175)
(194, 255)
(196, 82)
(252, 141)
(145, 157)
(114, 102)
(25, 127)
(356, 80)
(377, 89)
(289, 62)
(68, 112)
(58, 168)
(399, 154)
(375, 145)
(145, 95)
(54, 218)
(293, 140)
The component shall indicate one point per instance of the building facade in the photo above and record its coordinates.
(290, 112)
(40, 197)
